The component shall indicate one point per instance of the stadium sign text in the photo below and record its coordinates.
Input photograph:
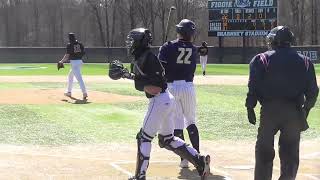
(313, 55)
(241, 33)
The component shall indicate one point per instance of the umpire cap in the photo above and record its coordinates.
(280, 36)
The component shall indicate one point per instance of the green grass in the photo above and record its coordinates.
(101, 69)
(221, 116)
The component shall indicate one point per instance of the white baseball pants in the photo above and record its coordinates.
(185, 96)
(75, 71)
(203, 62)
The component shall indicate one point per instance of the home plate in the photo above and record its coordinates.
(239, 167)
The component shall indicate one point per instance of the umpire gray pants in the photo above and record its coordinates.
(288, 119)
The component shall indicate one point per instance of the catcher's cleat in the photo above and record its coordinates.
(68, 94)
(141, 176)
(204, 168)
(184, 163)
(204, 73)
(85, 96)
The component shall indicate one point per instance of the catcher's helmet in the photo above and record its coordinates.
(186, 28)
(138, 38)
(280, 36)
(72, 37)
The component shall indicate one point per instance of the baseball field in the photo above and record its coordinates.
(45, 135)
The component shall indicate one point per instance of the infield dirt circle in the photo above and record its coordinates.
(231, 160)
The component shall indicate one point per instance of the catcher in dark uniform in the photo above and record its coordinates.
(148, 75)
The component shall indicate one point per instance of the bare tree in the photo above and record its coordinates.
(314, 21)
(95, 5)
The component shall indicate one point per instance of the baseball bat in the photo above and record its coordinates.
(168, 20)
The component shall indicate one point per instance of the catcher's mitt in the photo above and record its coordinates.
(117, 70)
(60, 65)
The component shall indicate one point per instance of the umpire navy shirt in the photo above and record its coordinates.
(179, 59)
(286, 75)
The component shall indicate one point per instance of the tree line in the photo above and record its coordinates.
(43, 23)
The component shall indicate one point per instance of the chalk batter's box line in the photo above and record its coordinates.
(117, 166)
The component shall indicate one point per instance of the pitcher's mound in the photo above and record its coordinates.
(56, 96)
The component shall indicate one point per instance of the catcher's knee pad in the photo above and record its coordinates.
(143, 153)
(165, 140)
(179, 133)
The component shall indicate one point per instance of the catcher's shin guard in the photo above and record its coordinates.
(143, 154)
(180, 148)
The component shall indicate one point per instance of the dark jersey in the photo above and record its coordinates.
(75, 50)
(203, 50)
(282, 74)
(179, 59)
(148, 70)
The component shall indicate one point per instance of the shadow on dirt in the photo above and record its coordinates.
(186, 173)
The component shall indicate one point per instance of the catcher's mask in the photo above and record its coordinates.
(280, 36)
(72, 37)
(138, 38)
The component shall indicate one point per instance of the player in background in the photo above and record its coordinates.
(179, 58)
(75, 52)
(203, 52)
(148, 75)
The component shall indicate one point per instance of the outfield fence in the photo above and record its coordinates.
(227, 55)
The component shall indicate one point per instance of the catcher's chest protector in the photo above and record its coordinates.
(139, 63)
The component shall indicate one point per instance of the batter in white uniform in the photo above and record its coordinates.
(180, 58)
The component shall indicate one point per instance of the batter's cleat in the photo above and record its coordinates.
(204, 73)
(184, 163)
(204, 168)
(85, 96)
(68, 94)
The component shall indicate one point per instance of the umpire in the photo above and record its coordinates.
(285, 85)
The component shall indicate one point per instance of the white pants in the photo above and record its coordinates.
(203, 62)
(160, 119)
(185, 96)
(160, 115)
(75, 71)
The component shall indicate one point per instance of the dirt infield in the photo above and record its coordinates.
(117, 161)
(55, 96)
(231, 160)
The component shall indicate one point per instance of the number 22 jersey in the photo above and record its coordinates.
(179, 59)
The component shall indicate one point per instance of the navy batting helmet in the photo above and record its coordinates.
(186, 28)
(138, 38)
(280, 36)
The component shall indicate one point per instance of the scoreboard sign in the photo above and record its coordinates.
(237, 18)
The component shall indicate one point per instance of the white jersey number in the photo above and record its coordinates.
(77, 48)
(184, 56)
